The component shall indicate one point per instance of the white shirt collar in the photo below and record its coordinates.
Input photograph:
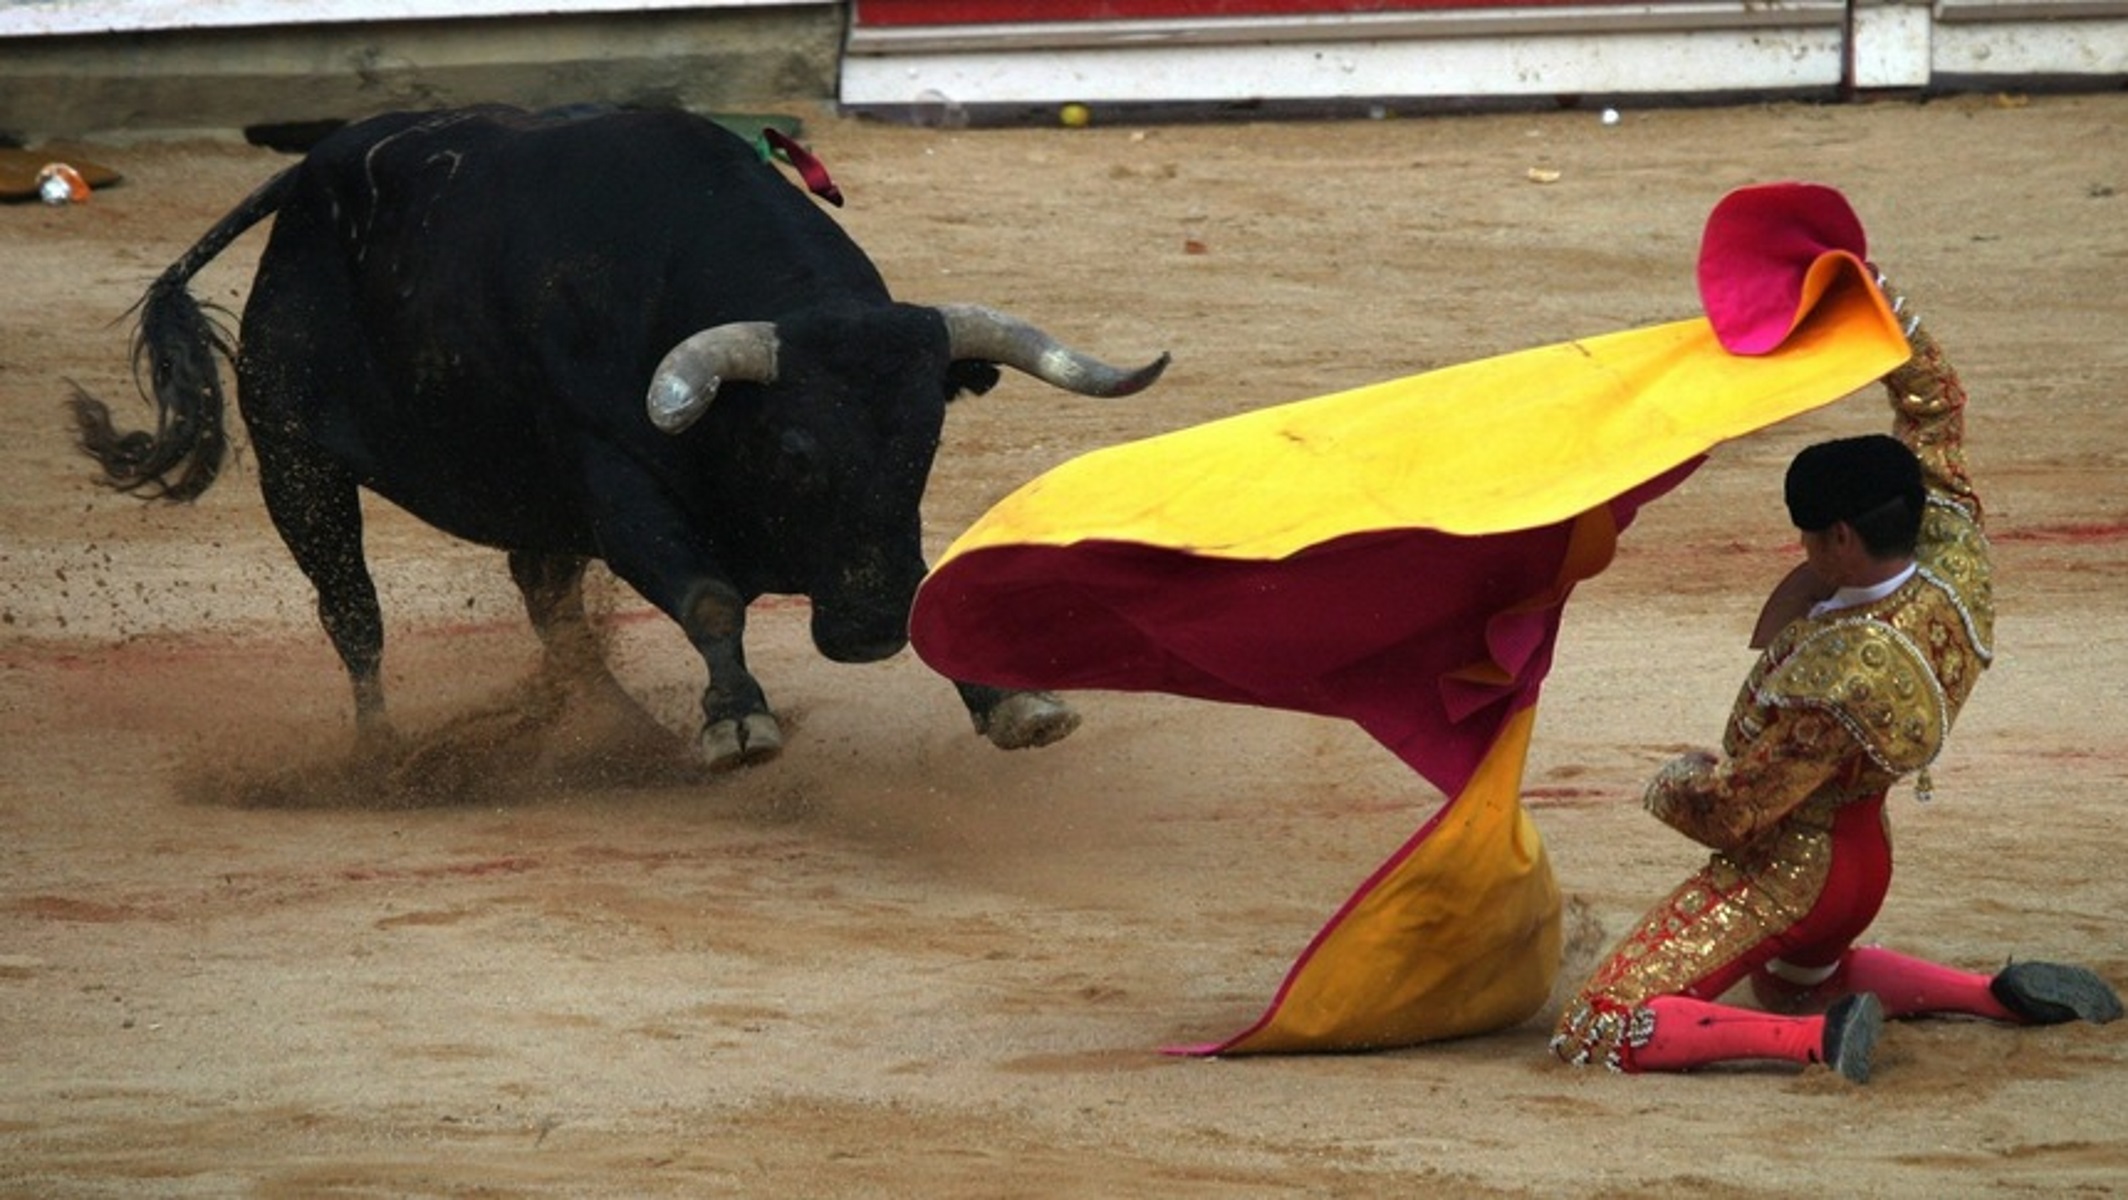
(1849, 597)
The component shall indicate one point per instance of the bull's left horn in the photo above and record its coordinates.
(975, 332)
(688, 377)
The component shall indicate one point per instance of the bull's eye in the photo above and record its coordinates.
(801, 461)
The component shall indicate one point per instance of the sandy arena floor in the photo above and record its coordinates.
(899, 962)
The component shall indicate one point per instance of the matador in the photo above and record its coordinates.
(1868, 651)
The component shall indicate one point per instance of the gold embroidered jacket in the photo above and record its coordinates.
(1842, 705)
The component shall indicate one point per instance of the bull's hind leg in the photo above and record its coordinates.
(317, 509)
(304, 366)
(553, 589)
(1017, 720)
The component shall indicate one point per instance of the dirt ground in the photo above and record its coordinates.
(899, 962)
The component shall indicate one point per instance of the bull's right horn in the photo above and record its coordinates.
(688, 377)
(975, 332)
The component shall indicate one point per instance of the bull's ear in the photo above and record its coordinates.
(688, 377)
(970, 377)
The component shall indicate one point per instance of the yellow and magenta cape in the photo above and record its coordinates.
(1399, 555)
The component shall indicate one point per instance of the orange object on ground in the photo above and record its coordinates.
(59, 183)
(22, 171)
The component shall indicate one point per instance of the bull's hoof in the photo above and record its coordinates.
(1023, 720)
(378, 741)
(751, 741)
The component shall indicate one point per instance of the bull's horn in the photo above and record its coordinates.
(974, 332)
(688, 378)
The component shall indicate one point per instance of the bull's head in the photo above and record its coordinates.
(846, 430)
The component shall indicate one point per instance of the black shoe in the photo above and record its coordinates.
(1851, 1028)
(2042, 993)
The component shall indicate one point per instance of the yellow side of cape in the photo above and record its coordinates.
(1513, 442)
(1459, 934)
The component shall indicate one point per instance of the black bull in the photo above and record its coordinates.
(623, 337)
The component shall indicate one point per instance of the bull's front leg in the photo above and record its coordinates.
(1015, 720)
(737, 727)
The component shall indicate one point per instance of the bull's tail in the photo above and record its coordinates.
(176, 342)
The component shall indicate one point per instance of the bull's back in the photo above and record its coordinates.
(514, 279)
(652, 206)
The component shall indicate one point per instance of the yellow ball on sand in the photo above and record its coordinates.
(1074, 116)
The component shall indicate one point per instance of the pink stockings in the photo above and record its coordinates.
(1682, 1032)
(1905, 985)
(1687, 1033)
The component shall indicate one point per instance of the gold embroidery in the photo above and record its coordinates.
(1871, 676)
(1954, 557)
(1718, 915)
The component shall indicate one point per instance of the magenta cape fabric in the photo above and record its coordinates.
(1454, 634)
(1762, 259)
